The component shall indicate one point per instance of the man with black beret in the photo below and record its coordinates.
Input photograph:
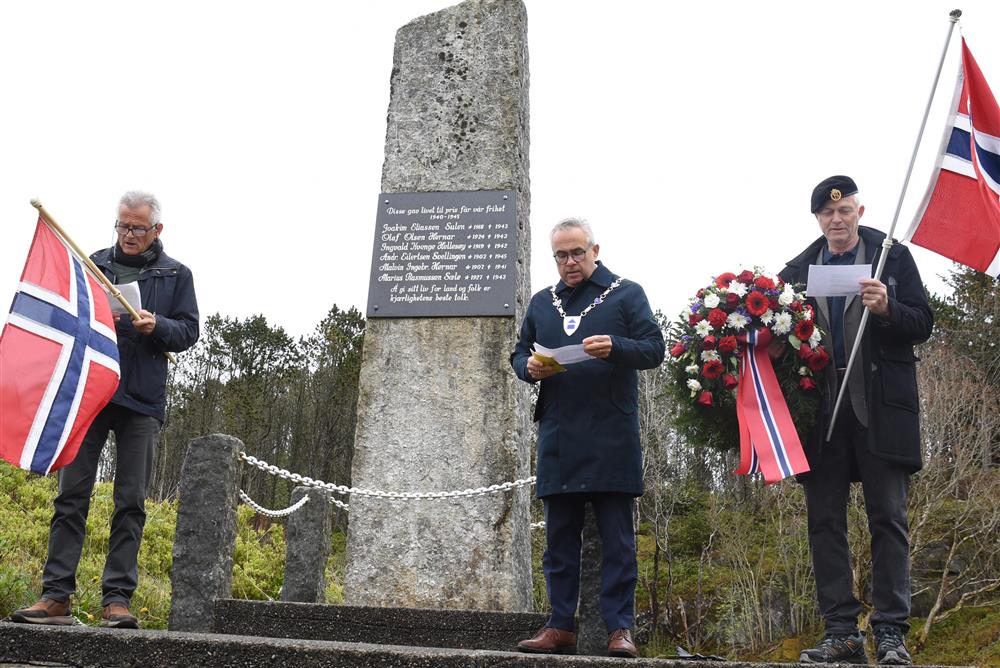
(876, 439)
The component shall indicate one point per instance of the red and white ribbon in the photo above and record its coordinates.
(769, 443)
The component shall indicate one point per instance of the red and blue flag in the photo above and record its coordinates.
(960, 213)
(58, 358)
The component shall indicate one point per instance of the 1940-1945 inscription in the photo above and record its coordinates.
(444, 254)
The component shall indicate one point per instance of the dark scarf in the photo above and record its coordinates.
(140, 260)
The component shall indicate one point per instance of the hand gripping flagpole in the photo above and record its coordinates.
(91, 267)
(953, 17)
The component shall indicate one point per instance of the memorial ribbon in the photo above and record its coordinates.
(769, 443)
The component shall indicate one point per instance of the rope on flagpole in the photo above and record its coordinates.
(91, 267)
(953, 18)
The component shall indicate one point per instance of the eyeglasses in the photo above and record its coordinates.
(137, 232)
(562, 257)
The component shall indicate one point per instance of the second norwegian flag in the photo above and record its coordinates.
(58, 358)
(960, 213)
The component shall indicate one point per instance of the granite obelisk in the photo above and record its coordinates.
(439, 408)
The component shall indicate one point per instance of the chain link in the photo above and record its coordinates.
(378, 494)
(273, 513)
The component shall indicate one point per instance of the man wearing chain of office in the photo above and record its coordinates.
(588, 431)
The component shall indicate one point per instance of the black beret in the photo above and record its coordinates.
(833, 188)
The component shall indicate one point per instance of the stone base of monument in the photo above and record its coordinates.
(458, 629)
(24, 644)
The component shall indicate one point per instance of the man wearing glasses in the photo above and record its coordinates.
(588, 431)
(168, 322)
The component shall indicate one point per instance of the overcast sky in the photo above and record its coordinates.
(689, 134)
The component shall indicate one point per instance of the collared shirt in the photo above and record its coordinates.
(835, 305)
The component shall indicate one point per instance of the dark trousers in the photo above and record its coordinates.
(827, 490)
(135, 438)
(564, 516)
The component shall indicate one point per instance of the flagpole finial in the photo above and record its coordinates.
(955, 15)
(35, 202)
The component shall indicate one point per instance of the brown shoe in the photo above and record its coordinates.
(117, 616)
(45, 611)
(620, 643)
(550, 641)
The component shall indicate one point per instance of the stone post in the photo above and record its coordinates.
(439, 407)
(307, 547)
(205, 538)
(593, 635)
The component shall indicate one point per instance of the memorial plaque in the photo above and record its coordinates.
(444, 254)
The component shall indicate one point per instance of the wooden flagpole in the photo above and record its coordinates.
(91, 267)
(887, 242)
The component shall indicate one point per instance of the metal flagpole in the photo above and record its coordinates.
(953, 17)
(91, 267)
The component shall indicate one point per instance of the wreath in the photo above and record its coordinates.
(707, 342)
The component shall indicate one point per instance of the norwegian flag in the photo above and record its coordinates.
(960, 214)
(58, 358)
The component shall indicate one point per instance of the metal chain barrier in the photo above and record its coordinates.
(378, 494)
(272, 513)
(347, 491)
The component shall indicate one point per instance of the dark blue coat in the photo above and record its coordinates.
(167, 291)
(588, 432)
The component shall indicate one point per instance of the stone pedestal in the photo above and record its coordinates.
(205, 538)
(307, 547)
(593, 634)
(439, 407)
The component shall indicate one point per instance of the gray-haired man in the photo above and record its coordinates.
(168, 322)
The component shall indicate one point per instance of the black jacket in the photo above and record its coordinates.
(887, 362)
(167, 291)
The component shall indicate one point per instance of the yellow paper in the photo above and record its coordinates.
(549, 361)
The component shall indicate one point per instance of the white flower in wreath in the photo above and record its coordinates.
(707, 355)
(807, 314)
(803, 371)
(814, 338)
(738, 289)
(787, 296)
(703, 328)
(767, 318)
(711, 300)
(693, 384)
(782, 324)
(737, 321)
(691, 369)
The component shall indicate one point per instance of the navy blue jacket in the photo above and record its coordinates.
(887, 364)
(167, 291)
(588, 432)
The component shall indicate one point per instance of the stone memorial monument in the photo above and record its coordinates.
(439, 408)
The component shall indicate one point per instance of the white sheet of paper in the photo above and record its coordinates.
(130, 291)
(836, 280)
(565, 355)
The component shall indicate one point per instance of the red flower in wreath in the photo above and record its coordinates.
(764, 283)
(732, 301)
(717, 318)
(804, 329)
(746, 276)
(723, 280)
(678, 349)
(807, 383)
(805, 352)
(705, 398)
(709, 342)
(729, 381)
(819, 359)
(695, 318)
(727, 344)
(757, 303)
(712, 369)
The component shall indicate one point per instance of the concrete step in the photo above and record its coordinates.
(81, 646)
(457, 629)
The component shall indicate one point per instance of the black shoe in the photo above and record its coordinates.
(837, 649)
(891, 650)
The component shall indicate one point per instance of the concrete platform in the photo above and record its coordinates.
(457, 629)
